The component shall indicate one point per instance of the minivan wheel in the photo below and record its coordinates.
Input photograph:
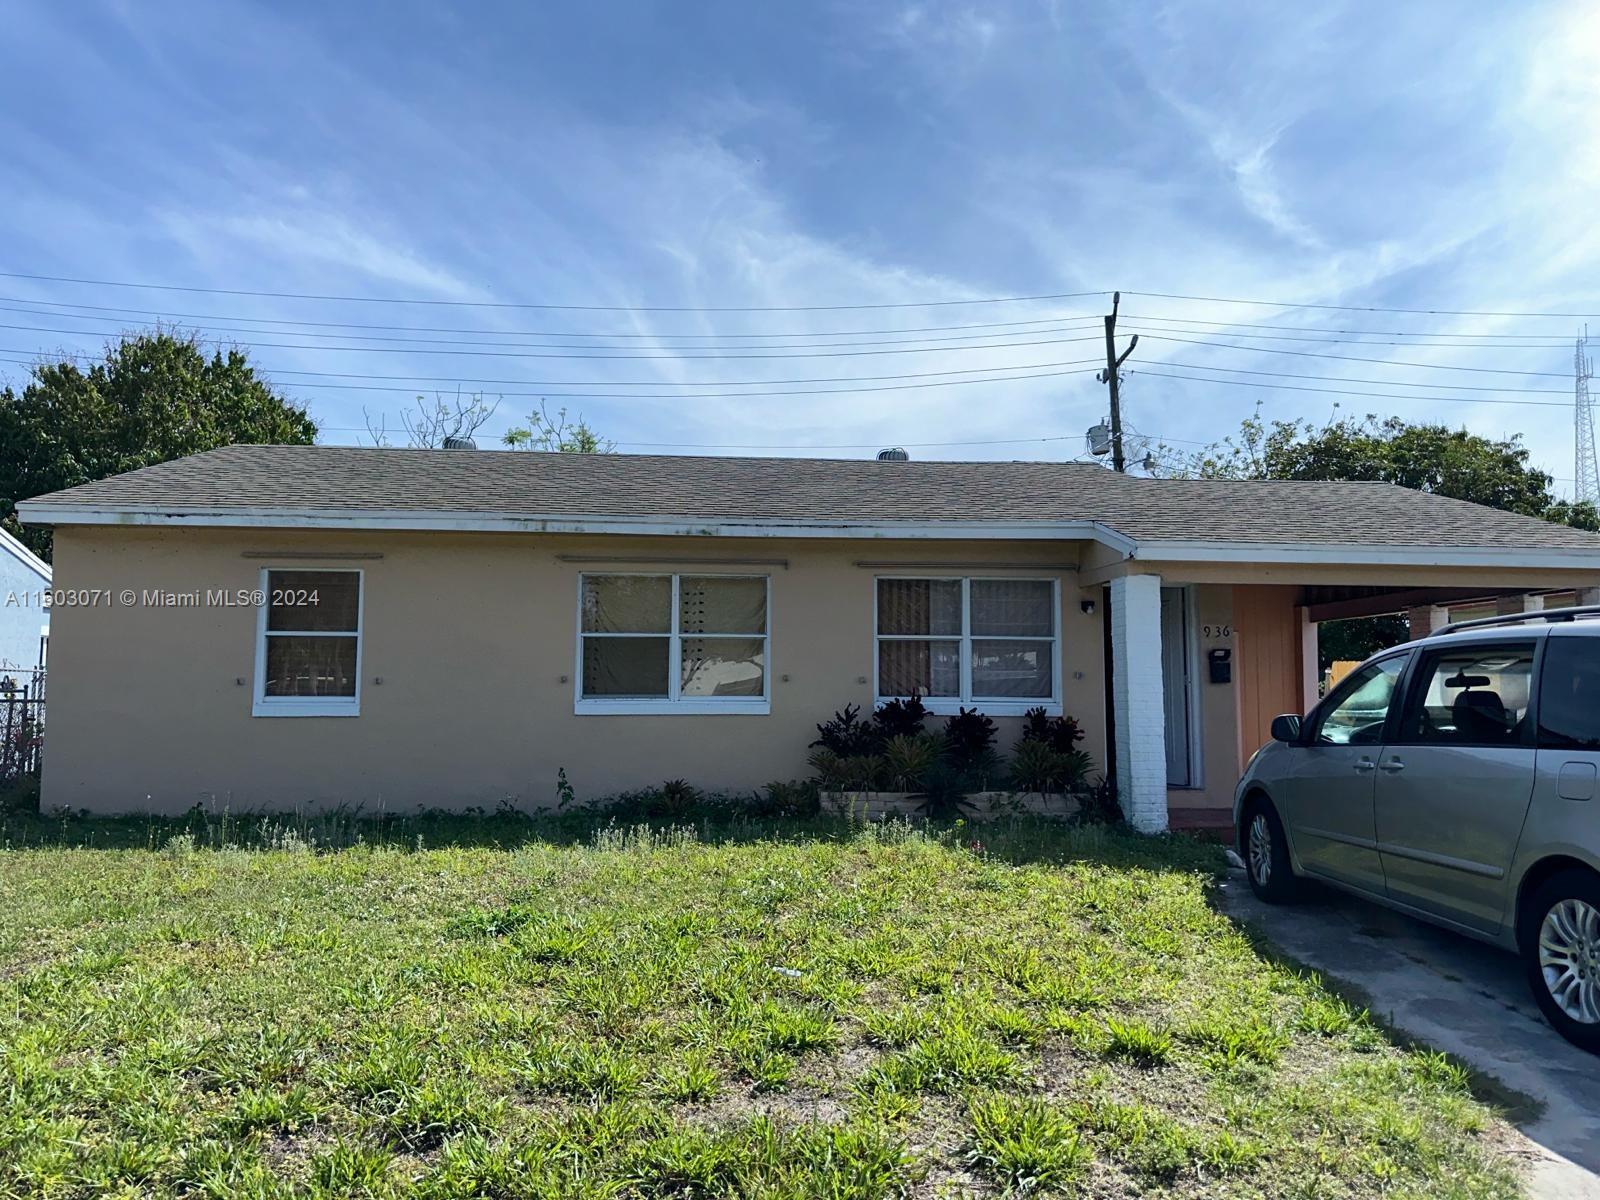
(1266, 854)
(1560, 941)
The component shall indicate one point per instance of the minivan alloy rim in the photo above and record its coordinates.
(1260, 849)
(1569, 958)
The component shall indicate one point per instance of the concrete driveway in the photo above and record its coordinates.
(1461, 997)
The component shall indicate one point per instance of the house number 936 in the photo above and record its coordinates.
(1216, 631)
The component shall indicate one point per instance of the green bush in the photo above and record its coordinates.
(1036, 766)
(908, 758)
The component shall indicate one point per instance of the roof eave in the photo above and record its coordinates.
(1369, 554)
(35, 512)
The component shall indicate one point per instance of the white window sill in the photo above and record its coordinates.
(673, 708)
(947, 706)
(311, 708)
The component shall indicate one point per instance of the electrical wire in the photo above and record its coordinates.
(1427, 312)
(551, 395)
(630, 334)
(409, 341)
(1390, 362)
(1288, 387)
(414, 349)
(1072, 362)
(616, 308)
(1131, 316)
(1462, 387)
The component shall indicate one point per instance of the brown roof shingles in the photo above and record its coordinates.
(843, 491)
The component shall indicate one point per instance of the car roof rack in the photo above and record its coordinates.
(1550, 615)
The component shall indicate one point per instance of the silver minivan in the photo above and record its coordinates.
(1454, 779)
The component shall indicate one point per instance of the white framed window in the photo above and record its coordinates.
(673, 643)
(308, 643)
(964, 642)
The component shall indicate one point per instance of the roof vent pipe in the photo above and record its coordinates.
(460, 443)
(893, 454)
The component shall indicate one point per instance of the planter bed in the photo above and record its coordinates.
(980, 806)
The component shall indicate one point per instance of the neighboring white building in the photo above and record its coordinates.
(24, 621)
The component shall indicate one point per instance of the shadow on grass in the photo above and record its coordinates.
(1016, 840)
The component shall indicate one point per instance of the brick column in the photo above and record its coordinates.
(1137, 702)
(1425, 620)
(1508, 606)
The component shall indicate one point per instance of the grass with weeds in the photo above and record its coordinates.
(501, 1006)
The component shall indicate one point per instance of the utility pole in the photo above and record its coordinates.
(1109, 378)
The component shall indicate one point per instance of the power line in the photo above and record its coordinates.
(1390, 362)
(413, 349)
(1364, 340)
(409, 341)
(619, 308)
(449, 379)
(1350, 332)
(159, 314)
(550, 395)
(1426, 312)
(628, 308)
(1462, 387)
(1289, 387)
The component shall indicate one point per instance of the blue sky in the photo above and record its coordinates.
(694, 155)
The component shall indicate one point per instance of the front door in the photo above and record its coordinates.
(1455, 779)
(1326, 787)
(1175, 684)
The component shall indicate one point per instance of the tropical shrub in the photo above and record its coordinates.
(968, 736)
(786, 798)
(908, 758)
(1036, 766)
(847, 735)
(901, 718)
(1059, 733)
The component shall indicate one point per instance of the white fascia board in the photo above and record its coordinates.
(366, 520)
(1354, 554)
(25, 556)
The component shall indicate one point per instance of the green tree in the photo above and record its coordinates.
(557, 434)
(153, 397)
(1357, 638)
(1429, 458)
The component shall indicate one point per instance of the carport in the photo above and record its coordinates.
(1238, 639)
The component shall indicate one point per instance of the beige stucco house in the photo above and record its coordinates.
(268, 627)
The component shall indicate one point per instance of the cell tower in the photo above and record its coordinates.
(1588, 471)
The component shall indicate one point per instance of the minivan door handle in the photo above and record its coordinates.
(1393, 765)
(1364, 764)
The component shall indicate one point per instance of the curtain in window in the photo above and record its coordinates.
(313, 628)
(627, 604)
(919, 606)
(722, 604)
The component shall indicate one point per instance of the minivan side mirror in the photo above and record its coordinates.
(1286, 728)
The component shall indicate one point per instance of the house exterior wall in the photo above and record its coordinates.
(1270, 665)
(22, 619)
(474, 639)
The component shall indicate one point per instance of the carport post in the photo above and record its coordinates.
(1426, 619)
(1137, 701)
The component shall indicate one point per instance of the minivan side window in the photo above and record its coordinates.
(1569, 694)
(1475, 694)
(1360, 708)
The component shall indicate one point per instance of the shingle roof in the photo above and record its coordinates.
(308, 479)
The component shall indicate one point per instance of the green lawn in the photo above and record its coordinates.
(794, 1010)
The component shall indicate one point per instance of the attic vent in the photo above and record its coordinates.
(460, 443)
(893, 454)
